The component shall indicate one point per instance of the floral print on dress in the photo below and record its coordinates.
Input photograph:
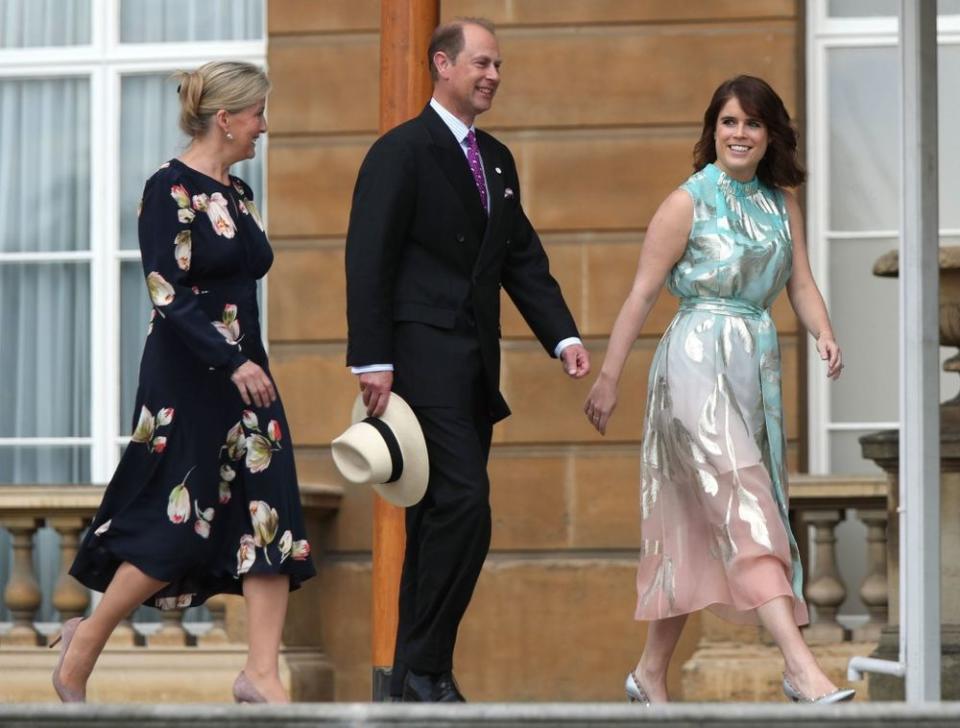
(204, 517)
(227, 475)
(265, 525)
(185, 213)
(246, 554)
(246, 206)
(178, 504)
(183, 249)
(147, 426)
(161, 292)
(247, 441)
(299, 550)
(265, 521)
(180, 601)
(229, 325)
(217, 210)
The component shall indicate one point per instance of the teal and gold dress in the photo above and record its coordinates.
(715, 531)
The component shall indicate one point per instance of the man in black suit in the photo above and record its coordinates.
(436, 230)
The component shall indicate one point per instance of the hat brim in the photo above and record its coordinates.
(410, 487)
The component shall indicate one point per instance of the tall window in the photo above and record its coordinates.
(853, 198)
(87, 113)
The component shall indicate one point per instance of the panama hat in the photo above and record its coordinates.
(388, 452)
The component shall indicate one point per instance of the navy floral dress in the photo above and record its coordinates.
(206, 490)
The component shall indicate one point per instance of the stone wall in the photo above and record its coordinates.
(601, 103)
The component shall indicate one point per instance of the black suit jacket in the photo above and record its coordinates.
(425, 265)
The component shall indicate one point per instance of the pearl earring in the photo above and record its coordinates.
(229, 136)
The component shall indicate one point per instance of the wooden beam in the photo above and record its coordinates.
(405, 87)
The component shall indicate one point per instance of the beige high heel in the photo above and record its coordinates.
(65, 694)
(244, 690)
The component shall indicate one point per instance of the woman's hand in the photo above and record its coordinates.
(601, 402)
(829, 351)
(254, 385)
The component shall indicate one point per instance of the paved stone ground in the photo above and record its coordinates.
(569, 715)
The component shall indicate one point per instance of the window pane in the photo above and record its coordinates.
(46, 464)
(45, 350)
(846, 457)
(866, 324)
(134, 321)
(862, 8)
(45, 148)
(158, 21)
(864, 138)
(149, 136)
(874, 8)
(33, 23)
(948, 112)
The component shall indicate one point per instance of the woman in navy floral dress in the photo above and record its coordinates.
(205, 498)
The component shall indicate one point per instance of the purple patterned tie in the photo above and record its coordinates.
(473, 158)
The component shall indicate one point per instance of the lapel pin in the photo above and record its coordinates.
(497, 170)
(507, 193)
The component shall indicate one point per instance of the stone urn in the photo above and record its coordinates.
(888, 266)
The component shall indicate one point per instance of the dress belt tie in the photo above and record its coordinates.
(724, 306)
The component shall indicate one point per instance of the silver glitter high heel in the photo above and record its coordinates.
(840, 695)
(635, 693)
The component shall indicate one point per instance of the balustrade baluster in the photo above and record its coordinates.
(873, 591)
(824, 590)
(70, 598)
(217, 635)
(171, 632)
(22, 595)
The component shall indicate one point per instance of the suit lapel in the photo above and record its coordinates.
(453, 162)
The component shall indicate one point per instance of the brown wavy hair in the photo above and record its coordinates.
(780, 166)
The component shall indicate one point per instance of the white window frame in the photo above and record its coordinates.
(823, 34)
(105, 61)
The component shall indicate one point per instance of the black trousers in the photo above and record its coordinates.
(448, 536)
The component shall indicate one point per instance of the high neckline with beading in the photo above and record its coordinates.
(728, 183)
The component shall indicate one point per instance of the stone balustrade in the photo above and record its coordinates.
(68, 510)
(822, 502)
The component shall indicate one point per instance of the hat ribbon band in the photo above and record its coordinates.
(393, 447)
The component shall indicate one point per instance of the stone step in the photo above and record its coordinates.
(568, 715)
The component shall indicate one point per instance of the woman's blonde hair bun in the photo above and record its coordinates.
(228, 85)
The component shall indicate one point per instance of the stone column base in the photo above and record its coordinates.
(162, 675)
(734, 672)
(887, 687)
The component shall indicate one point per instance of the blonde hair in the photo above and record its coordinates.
(228, 85)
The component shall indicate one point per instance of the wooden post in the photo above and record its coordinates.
(405, 86)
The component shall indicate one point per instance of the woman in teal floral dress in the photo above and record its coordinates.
(713, 489)
(205, 498)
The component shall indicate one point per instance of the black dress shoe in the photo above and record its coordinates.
(428, 688)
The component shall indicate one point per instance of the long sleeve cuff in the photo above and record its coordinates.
(565, 343)
(372, 368)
